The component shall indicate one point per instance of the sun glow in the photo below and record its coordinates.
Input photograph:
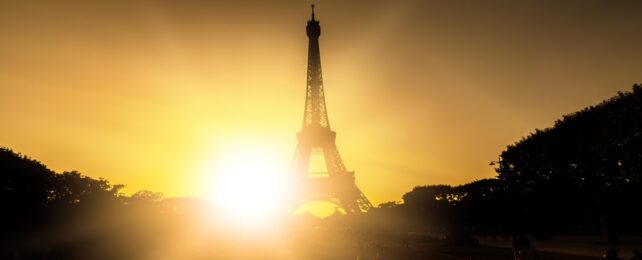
(250, 183)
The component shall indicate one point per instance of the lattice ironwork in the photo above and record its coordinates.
(339, 184)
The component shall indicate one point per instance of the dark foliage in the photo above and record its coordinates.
(49, 215)
(582, 176)
(583, 173)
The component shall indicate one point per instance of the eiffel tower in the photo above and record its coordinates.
(316, 146)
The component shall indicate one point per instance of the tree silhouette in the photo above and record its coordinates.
(49, 215)
(581, 176)
(588, 164)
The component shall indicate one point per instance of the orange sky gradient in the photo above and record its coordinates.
(152, 94)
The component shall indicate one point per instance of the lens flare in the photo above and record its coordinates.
(249, 183)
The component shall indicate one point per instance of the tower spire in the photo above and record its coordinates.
(315, 114)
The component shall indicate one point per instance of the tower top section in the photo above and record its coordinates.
(313, 28)
(315, 115)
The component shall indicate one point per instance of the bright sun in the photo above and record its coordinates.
(249, 182)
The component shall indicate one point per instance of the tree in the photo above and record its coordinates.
(588, 164)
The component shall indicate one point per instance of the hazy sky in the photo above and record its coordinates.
(152, 94)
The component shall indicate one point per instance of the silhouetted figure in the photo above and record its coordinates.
(611, 254)
(522, 249)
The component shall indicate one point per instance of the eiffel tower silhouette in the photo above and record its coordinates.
(318, 171)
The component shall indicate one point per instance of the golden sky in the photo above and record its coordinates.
(152, 94)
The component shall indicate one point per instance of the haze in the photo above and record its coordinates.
(152, 94)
